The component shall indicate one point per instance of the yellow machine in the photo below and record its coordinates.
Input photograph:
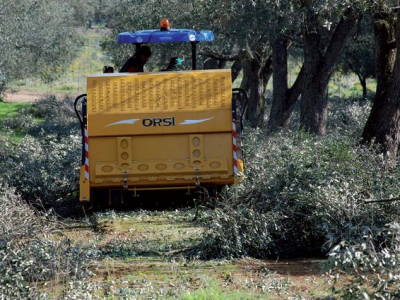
(159, 130)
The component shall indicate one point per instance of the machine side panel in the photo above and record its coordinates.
(161, 160)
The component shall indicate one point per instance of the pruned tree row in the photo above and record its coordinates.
(258, 38)
(36, 39)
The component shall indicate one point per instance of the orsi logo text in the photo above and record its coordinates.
(169, 121)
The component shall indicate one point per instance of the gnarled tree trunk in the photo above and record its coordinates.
(218, 61)
(318, 68)
(236, 68)
(283, 98)
(383, 124)
(363, 82)
(257, 71)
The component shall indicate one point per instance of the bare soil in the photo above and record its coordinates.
(27, 95)
(144, 247)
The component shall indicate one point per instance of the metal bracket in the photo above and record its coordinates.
(125, 181)
(197, 177)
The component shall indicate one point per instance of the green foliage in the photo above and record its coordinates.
(89, 60)
(90, 12)
(44, 169)
(28, 253)
(359, 56)
(372, 255)
(347, 117)
(300, 193)
(236, 24)
(44, 165)
(36, 39)
(7, 108)
(57, 117)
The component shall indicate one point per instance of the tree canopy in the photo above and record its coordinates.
(36, 39)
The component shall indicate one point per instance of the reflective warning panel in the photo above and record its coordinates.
(165, 92)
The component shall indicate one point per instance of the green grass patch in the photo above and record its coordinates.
(214, 292)
(13, 136)
(8, 109)
(17, 136)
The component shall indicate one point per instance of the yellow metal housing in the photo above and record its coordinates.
(156, 130)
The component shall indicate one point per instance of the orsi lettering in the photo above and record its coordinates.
(169, 121)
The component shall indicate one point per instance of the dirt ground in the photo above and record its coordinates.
(26, 95)
(148, 247)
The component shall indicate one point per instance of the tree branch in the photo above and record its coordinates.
(296, 89)
(219, 56)
(266, 70)
(337, 43)
(236, 68)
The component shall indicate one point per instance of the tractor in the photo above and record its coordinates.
(173, 130)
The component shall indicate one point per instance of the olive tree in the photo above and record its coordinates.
(285, 33)
(262, 32)
(36, 39)
(243, 29)
(359, 56)
(383, 124)
(321, 29)
(320, 59)
(89, 12)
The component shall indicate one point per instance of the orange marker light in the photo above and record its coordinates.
(164, 25)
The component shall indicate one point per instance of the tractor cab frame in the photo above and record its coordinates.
(152, 36)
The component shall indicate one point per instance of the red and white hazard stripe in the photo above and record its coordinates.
(235, 159)
(86, 154)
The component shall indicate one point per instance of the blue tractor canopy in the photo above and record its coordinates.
(167, 35)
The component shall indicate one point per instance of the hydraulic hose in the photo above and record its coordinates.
(82, 122)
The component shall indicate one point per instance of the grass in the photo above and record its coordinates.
(8, 109)
(214, 292)
(349, 86)
(16, 136)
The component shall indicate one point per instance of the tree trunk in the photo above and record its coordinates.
(218, 61)
(236, 68)
(256, 74)
(383, 124)
(318, 70)
(283, 98)
(363, 82)
(211, 64)
(257, 71)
